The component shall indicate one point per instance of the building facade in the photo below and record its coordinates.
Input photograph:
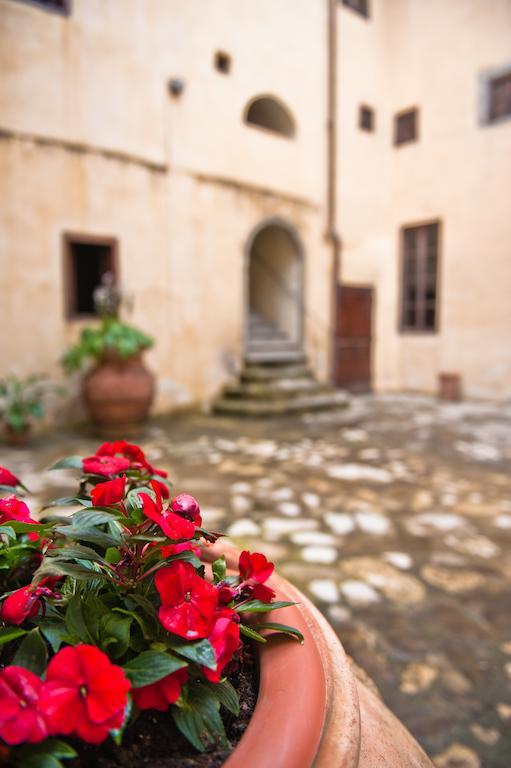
(185, 146)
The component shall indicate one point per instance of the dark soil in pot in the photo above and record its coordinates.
(153, 741)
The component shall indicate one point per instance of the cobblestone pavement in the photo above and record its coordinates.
(395, 517)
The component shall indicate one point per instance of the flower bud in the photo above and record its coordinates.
(21, 605)
(185, 505)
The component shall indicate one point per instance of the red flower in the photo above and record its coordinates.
(225, 639)
(12, 508)
(254, 567)
(162, 488)
(21, 605)
(24, 603)
(7, 478)
(172, 525)
(188, 602)
(104, 465)
(20, 718)
(225, 593)
(109, 493)
(132, 452)
(129, 450)
(185, 505)
(84, 693)
(175, 549)
(162, 694)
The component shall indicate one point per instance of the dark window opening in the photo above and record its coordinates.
(60, 6)
(500, 97)
(366, 118)
(359, 6)
(222, 62)
(419, 276)
(406, 127)
(87, 260)
(266, 112)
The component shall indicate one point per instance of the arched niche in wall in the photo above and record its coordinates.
(271, 114)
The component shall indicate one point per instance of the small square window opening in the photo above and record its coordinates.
(366, 119)
(406, 127)
(359, 6)
(86, 261)
(222, 62)
(500, 97)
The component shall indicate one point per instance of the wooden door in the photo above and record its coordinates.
(353, 335)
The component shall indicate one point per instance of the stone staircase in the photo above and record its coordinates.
(275, 379)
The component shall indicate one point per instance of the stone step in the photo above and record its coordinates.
(260, 407)
(275, 356)
(271, 345)
(256, 372)
(276, 389)
(261, 334)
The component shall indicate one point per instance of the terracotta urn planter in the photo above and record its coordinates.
(118, 393)
(18, 438)
(311, 712)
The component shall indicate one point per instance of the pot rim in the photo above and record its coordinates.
(307, 711)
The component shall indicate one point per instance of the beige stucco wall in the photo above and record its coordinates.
(93, 143)
(430, 55)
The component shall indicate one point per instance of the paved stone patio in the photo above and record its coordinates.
(395, 517)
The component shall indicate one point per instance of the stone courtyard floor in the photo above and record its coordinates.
(394, 517)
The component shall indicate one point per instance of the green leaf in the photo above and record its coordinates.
(88, 533)
(55, 632)
(59, 748)
(190, 724)
(8, 530)
(39, 761)
(65, 501)
(226, 695)
(144, 603)
(219, 569)
(62, 568)
(199, 719)
(115, 633)
(256, 606)
(94, 516)
(32, 653)
(200, 651)
(151, 666)
(70, 462)
(75, 552)
(113, 555)
(283, 629)
(251, 633)
(19, 527)
(10, 633)
(75, 620)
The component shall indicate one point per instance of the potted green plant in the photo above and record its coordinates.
(22, 402)
(111, 623)
(117, 387)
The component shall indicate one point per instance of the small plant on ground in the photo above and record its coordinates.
(22, 400)
(109, 611)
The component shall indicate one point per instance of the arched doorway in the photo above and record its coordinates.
(274, 285)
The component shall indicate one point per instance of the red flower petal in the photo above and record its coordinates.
(109, 493)
(7, 478)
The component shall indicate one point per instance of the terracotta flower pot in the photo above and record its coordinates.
(18, 438)
(311, 712)
(118, 393)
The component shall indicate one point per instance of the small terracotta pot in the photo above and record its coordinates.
(118, 393)
(311, 712)
(18, 438)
